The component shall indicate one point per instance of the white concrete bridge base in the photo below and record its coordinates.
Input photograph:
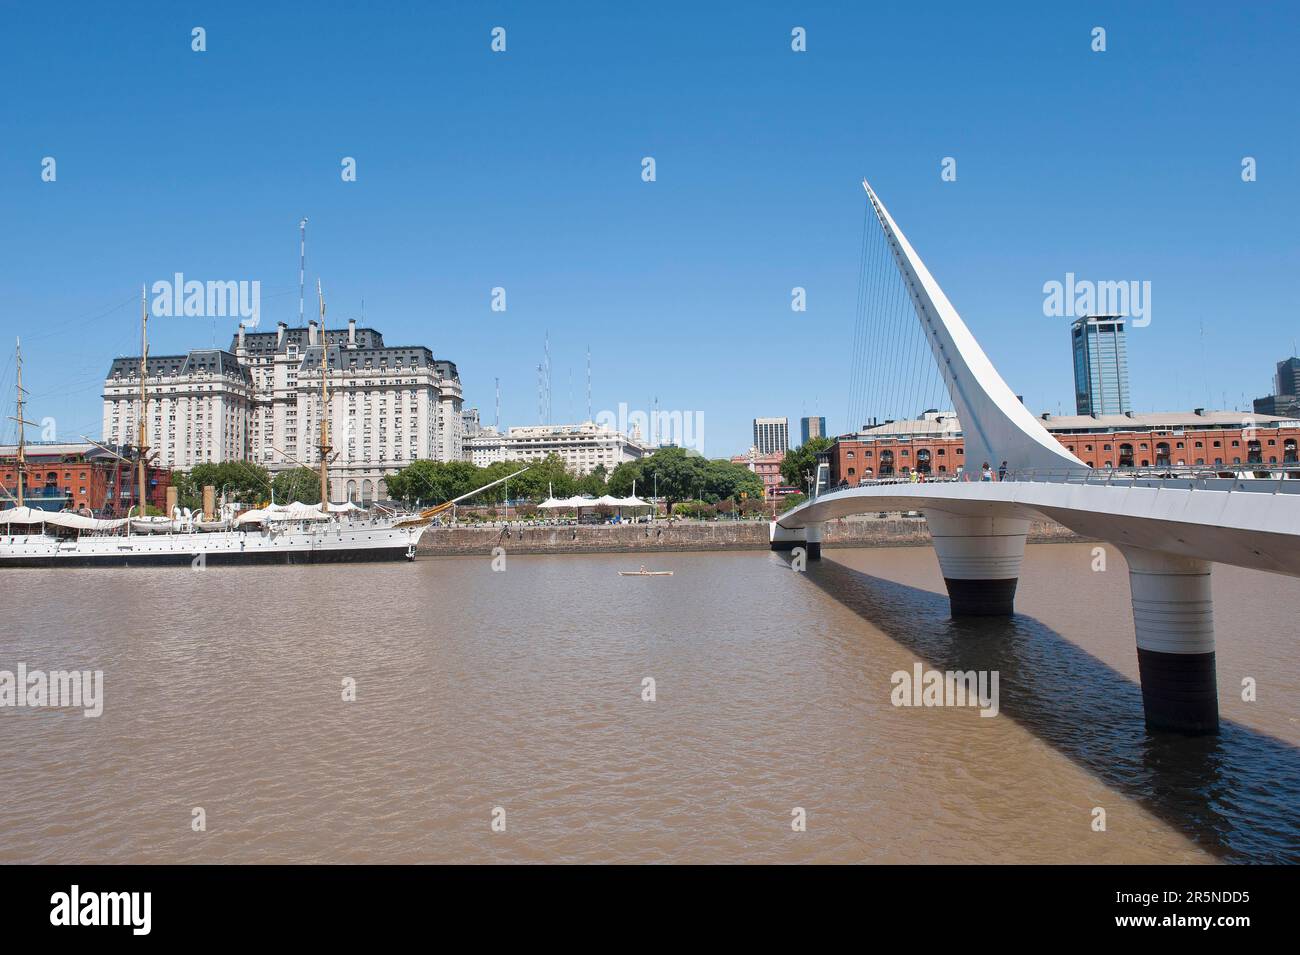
(788, 538)
(980, 558)
(1173, 615)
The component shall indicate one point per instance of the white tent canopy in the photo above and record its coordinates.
(604, 501)
(555, 504)
(34, 515)
(297, 511)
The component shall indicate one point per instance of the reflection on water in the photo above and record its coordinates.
(1235, 794)
(523, 690)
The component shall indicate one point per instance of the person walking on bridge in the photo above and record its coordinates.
(1002, 471)
(986, 473)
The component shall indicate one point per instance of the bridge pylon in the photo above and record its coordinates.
(1173, 617)
(808, 537)
(980, 558)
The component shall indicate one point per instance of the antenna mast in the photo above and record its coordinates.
(498, 421)
(324, 408)
(589, 418)
(142, 444)
(547, 419)
(302, 267)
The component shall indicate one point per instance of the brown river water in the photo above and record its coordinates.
(521, 691)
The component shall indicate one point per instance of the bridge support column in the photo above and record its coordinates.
(980, 558)
(1173, 614)
(809, 538)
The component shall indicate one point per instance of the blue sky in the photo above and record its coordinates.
(522, 170)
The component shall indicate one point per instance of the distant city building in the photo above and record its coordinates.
(772, 435)
(582, 447)
(811, 428)
(1287, 379)
(934, 444)
(260, 401)
(469, 422)
(485, 446)
(1100, 365)
(766, 466)
(1286, 406)
(1286, 386)
(76, 476)
(200, 407)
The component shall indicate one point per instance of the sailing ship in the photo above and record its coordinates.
(286, 534)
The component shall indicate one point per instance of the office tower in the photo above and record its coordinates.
(772, 435)
(811, 428)
(1100, 365)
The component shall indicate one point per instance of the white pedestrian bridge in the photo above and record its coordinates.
(1172, 524)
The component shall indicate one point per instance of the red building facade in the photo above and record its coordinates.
(1183, 439)
(78, 477)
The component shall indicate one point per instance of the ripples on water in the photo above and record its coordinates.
(523, 690)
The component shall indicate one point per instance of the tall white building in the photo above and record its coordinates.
(199, 406)
(582, 447)
(772, 435)
(261, 401)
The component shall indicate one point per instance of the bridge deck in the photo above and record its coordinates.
(1250, 526)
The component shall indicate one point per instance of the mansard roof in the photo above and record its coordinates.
(211, 361)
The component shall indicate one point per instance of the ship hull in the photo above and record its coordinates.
(333, 545)
(215, 559)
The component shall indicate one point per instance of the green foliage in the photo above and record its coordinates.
(433, 482)
(298, 484)
(593, 483)
(547, 476)
(681, 475)
(242, 481)
(800, 463)
(700, 510)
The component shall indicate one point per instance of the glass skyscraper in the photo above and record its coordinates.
(811, 428)
(1100, 365)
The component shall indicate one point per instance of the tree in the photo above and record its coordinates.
(547, 476)
(724, 480)
(241, 481)
(623, 477)
(297, 484)
(593, 483)
(801, 463)
(679, 475)
(434, 482)
(495, 472)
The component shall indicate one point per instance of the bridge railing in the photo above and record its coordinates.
(1284, 478)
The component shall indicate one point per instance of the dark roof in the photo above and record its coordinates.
(213, 361)
(265, 343)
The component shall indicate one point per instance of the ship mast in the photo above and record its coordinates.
(324, 409)
(22, 425)
(142, 446)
